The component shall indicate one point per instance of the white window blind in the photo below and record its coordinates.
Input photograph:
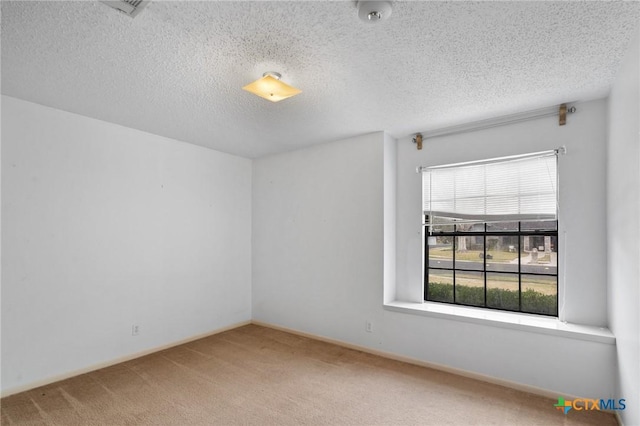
(508, 189)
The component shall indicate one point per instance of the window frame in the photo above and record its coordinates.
(519, 233)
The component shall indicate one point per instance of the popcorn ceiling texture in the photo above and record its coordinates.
(177, 69)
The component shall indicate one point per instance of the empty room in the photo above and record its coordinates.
(320, 212)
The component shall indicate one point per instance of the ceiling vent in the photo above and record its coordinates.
(128, 7)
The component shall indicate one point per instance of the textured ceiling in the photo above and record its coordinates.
(177, 69)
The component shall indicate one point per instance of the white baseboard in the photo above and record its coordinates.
(472, 375)
(69, 374)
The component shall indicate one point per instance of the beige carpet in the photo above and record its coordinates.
(259, 376)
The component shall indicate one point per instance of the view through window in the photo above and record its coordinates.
(510, 266)
(491, 235)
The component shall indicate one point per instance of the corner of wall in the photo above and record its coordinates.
(390, 155)
(623, 228)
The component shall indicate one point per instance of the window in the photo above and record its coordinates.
(491, 237)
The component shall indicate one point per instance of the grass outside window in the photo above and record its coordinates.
(494, 267)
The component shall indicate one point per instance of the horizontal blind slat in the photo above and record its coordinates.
(520, 189)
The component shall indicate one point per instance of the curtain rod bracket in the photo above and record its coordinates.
(562, 112)
(418, 140)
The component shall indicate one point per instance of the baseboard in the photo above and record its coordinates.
(464, 373)
(115, 361)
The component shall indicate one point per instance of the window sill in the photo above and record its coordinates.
(523, 322)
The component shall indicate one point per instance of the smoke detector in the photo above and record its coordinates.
(372, 12)
(128, 7)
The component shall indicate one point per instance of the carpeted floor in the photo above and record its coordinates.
(259, 376)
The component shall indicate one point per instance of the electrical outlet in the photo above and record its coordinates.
(135, 329)
(368, 326)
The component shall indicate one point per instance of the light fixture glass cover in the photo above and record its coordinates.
(271, 88)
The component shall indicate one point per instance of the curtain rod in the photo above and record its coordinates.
(501, 121)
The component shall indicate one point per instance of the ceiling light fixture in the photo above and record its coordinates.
(271, 88)
(373, 11)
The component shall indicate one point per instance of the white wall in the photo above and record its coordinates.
(318, 238)
(581, 230)
(390, 185)
(623, 228)
(104, 227)
(318, 255)
(556, 364)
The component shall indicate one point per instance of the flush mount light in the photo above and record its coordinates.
(271, 88)
(373, 11)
